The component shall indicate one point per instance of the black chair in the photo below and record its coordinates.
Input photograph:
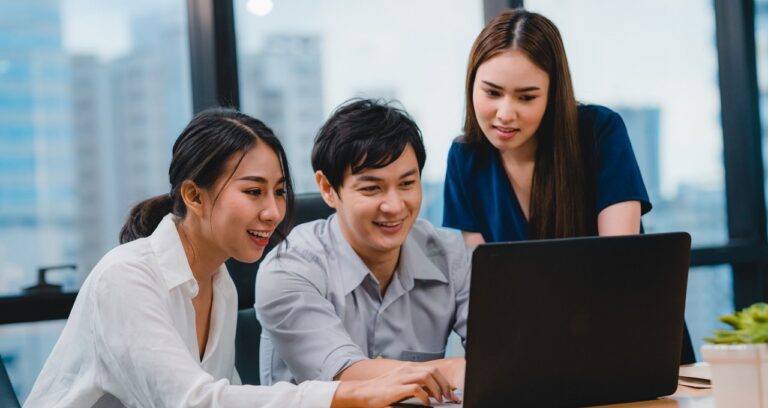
(247, 346)
(687, 356)
(308, 207)
(7, 395)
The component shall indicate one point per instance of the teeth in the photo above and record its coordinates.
(260, 234)
(388, 224)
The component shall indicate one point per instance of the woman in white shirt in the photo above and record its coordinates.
(154, 322)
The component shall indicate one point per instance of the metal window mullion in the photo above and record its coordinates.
(741, 141)
(213, 54)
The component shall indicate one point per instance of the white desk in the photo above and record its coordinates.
(684, 397)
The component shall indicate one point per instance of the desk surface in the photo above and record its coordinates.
(684, 397)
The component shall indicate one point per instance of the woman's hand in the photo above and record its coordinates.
(408, 380)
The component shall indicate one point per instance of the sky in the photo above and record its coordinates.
(654, 53)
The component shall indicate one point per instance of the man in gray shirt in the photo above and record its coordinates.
(356, 295)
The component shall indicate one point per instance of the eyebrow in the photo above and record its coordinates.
(365, 177)
(260, 179)
(523, 89)
(492, 85)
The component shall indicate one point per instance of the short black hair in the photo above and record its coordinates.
(364, 134)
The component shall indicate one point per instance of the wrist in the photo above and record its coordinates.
(449, 367)
(347, 395)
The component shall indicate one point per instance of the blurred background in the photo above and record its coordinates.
(94, 92)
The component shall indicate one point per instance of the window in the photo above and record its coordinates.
(304, 57)
(82, 85)
(761, 49)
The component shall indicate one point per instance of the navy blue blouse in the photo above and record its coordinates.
(480, 198)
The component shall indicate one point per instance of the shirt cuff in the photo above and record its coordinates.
(318, 394)
(341, 360)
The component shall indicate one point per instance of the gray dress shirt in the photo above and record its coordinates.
(321, 308)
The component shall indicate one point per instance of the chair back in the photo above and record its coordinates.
(247, 346)
(7, 395)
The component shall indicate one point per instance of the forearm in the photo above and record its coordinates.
(473, 239)
(406, 380)
(367, 369)
(451, 368)
(619, 219)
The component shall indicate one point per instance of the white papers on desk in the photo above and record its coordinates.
(695, 375)
(413, 402)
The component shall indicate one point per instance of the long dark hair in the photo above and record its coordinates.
(199, 155)
(560, 192)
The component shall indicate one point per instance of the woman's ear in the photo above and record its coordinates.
(192, 196)
(326, 190)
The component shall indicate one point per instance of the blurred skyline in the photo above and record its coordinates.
(617, 61)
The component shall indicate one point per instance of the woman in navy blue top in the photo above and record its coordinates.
(533, 163)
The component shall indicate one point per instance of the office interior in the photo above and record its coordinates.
(92, 95)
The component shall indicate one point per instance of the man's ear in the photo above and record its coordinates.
(192, 196)
(326, 190)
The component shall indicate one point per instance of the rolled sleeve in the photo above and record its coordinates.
(457, 210)
(299, 321)
(338, 361)
(619, 177)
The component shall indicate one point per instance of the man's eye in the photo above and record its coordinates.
(369, 189)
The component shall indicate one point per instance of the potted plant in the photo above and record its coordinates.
(738, 359)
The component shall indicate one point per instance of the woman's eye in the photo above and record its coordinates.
(281, 192)
(254, 192)
(527, 98)
(492, 92)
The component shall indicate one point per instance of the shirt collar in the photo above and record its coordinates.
(414, 264)
(353, 269)
(169, 252)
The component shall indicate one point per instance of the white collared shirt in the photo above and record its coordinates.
(130, 339)
(321, 308)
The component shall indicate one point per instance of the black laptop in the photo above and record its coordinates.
(576, 322)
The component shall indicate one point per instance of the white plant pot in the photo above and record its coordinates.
(739, 374)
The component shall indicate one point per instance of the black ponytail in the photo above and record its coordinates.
(145, 217)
